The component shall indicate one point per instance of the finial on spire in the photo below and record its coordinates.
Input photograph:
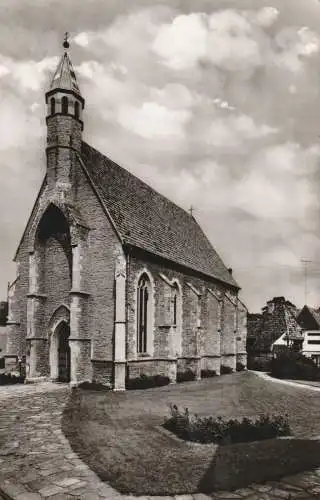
(66, 43)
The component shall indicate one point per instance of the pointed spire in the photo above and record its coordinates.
(64, 77)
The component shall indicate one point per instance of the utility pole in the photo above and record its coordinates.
(305, 263)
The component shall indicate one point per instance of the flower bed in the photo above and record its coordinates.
(220, 431)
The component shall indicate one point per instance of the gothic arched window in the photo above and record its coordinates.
(175, 305)
(143, 313)
(176, 319)
(64, 105)
(52, 106)
(77, 110)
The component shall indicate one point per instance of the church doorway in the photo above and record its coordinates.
(63, 352)
(60, 353)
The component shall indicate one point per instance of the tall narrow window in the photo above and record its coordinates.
(64, 105)
(175, 307)
(77, 110)
(52, 106)
(143, 313)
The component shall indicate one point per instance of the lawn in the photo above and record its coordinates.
(119, 435)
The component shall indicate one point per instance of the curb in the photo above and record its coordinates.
(265, 376)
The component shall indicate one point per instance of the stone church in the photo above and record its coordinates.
(113, 279)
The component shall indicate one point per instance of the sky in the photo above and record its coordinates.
(215, 103)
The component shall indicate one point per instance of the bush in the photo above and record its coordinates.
(147, 381)
(294, 365)
(208, 373)
(186, 376)
(240, 367)
(93, 386)
(224, 370)
(259, 365)
(217, 430)
(2, 363)
(10, 379)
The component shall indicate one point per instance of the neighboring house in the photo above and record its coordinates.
(114, 280)
(311, 345)
(274, 329)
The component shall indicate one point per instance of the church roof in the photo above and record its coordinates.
(64, 76)
(148, 220)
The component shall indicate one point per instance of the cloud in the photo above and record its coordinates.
(294, 45)
(182, 43)
(266, 16)
(28, 74)
(152, 120)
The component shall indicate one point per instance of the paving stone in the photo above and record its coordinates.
(183, 497)
(68, 481)
(201, 496)
(50, 490)
(28, 496)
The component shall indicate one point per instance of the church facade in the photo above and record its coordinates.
(113, 279)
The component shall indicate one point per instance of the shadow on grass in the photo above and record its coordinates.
(124, 457)
(239, 465)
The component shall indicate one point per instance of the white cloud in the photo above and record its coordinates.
(183, 42)
(267, 16)
(231, 131)
(82, 39)
(293, 45)
(30, 75)
(152, 120)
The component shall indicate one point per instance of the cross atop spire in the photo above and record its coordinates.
(66, 43)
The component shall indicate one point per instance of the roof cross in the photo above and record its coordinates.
(66, 43)
(191, 210)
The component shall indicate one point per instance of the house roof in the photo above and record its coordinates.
(313, 313)
(64, 76)
(148, 220)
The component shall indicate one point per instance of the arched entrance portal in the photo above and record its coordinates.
(60, 353)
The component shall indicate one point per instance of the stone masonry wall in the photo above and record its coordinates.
(103, 247)
(201, 319)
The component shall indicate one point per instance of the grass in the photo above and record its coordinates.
(119, 435)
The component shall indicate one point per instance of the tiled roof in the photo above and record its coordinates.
(316, 314)
(148, 220)
(64, 77)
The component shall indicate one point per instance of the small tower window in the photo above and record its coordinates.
(64, 105)
(52, 106)
(77, 110)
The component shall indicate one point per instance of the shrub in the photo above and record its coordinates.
(240, 367)
(10, 379)
(259, 365)
(2, 363)
(147, 381)
(294, 365)
(208, 373)
(224, 370)
(93, 386)
(186, 376)
(220, 431)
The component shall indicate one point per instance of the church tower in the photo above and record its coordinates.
(65, 106)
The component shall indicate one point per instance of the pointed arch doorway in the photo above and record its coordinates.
(60, 359)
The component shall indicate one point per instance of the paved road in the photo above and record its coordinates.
(36, 461)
